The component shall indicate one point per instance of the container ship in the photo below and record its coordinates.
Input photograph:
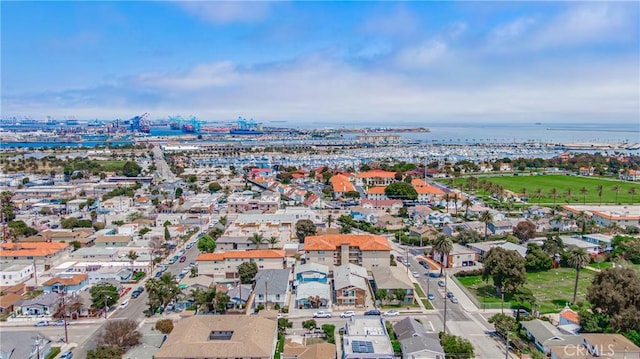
(246, 127)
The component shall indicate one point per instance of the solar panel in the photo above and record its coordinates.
(358, 346)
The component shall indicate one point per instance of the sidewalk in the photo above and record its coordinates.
(463, 300)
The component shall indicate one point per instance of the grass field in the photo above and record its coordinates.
(112, 165)
(562, 184)
(552, 289)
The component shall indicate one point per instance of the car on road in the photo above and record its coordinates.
(192, 264)
(435, 274)
(415, 274)
(67, 355)
(372, 312)
(454, 300)
(58, 323)
(190, 245)
(347, 314)
(391, 313)
(173, 260)
(182, 259)
(140, 289)
(441, 283)
(158, 274)
(450, 295)
(124, 304)
(135, 294)
(322, 314)
(42, 323)
(431, 296)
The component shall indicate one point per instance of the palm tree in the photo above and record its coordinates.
(582, 218)
(446, 200)
(539, 194)
(94, 216)
(568, 194)
(486, 218)
(523, 193)
(466, 203)
(578, 257)
(257, 239)
(554, 194)
(599, 188)
(329, 220)
(583, 191)
(132, 255)
(273, 241)
(633, 192)
(444, 245)
(616, 189)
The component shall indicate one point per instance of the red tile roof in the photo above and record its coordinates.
(376, 173)
(256, 253)
(75, 280)
(31, 249)
(376, 190)
(341, 183)
(366, 242)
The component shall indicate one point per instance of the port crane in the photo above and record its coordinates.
(190, 124)
(139, 123)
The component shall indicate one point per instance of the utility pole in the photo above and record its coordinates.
(63, 294)
(445, 301)
(106, 308)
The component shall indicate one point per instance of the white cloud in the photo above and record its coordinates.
(201, 76)
(511, 31)
(422, 56)
(226, 12)
(398, 22)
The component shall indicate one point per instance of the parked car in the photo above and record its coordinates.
(391, 313)
(415, 274)
(42, 323)
(449, 294)
(372, 312)
(158, 274)
(322, 314)
(135, 294)
(67, 355)
(58, 323)
(192, 264)
(454, 300)
(190, 245)
(124, 304)
(441, 283)
(140, 289)
(182, 259)
(431, 296)
(523, 313)
(347, 314)
(435, 274)
(173, 260)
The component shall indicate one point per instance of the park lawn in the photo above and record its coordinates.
(112, 165)
(562, 183)
(552, 288)
(418, 290)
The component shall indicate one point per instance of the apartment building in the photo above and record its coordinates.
(366, 250)
(241, 202)
(223, 266)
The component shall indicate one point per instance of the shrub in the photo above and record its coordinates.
(469, 273)
(285, 309)
(53, 353)
(165, 326)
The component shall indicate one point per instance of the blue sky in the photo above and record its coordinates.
(330, 62)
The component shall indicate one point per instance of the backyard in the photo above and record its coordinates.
(562, 184)
(552, 288)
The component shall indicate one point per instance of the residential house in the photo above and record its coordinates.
(631, 175)
(221, 336)
(416, 342)
(420, 214)
(392, 205)
(113, 241)
(332, 250)
(389, 222)
(366, 337)
(427, 193)
(592, 248)
(350, 285)
(544, 335)
(587, 171)
(294, 350)
(311, 272)
(439, 219)
(24, 344)
(376, 194)
(8, 301)
(223, 266)
(96, 253)
(16, 273)
(610, 345)
(424, 232)
(375, 178)
(501, 227)
(272, 288)
(67, 285)
(44, 304)
(569, 321)
(199, 282)
(459, 257)
(67, 236)
(240, 202)
(119, 273)
(313, 295)
(238, 294)
(481, 248)
(393, 280)
(29, 251)
(341, 185)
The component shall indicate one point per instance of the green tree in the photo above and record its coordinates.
(345, 228)
(401, 190)
(537, 259)
(132, 256)
(309, 324)
(600, 188)
(583, 191)
(20, 229)
(103, 294)
(247, 271)
(178, 192)
(164, 326)
(167, 234)
(305, 228)
(444, 245)
(121, 334)
(503, 324)
(381, 294)
(284, 324)
(616, 189)
(214, 187)
(506, 268)
(633, 192)
(614, 292)
(522, 296)
(467, 203)
(486, 218)
(131, 169)
(329, 220)
(273, 241)
(206, 244)
(578, 257)
(456, 347)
